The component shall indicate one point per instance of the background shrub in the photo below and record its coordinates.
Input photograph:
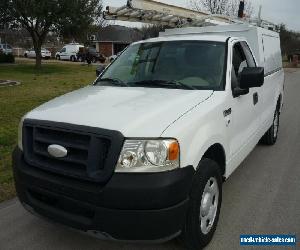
(7, 58)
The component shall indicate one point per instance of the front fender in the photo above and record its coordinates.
(199, 129)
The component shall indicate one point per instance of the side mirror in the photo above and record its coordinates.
(99, 70)
(238, 92)
(252, 77)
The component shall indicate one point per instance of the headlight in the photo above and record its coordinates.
(20, 134)
(149, 156)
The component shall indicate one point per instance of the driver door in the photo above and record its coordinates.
(245, 116)
(63, 54)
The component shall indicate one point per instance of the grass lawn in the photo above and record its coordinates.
(52, 80)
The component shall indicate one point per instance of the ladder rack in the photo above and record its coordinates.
(152, 12)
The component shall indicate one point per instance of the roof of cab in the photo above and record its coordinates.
(190, 37)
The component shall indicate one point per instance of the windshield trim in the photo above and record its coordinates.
(225, 64)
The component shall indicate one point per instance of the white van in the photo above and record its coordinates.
(69, 52)
(142, 153)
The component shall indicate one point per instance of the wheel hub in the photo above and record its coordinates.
(209, 205)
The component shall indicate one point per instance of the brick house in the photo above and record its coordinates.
(114, 38)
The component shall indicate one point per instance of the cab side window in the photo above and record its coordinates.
(239, 62)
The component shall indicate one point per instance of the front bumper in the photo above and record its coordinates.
(135, 206)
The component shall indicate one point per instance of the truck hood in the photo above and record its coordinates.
(135, 112)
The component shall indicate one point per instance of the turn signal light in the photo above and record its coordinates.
(173, 151)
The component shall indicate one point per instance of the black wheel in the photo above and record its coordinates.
(58, 58)
(270, 137)
(80, 59)
(94, 59)
(73, 59)
(204, 207)
(25, 55)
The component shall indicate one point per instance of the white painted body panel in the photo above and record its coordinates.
(70, 50)
(135, 112)
(194, 117)
(200, 128)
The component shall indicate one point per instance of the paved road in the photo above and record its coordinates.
(262, 196)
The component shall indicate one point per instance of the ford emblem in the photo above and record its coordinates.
(57, 151)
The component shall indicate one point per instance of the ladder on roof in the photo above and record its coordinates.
(152, 12)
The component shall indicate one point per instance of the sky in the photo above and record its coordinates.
(277, 11)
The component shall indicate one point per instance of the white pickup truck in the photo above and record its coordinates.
(141, 153)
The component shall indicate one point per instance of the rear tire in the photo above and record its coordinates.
(204, 206)
(270, 137)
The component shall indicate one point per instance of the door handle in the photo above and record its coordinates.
(227, 112)
(255, 98)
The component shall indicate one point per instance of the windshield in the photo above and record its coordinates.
(171, 64)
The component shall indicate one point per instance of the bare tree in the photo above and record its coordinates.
(233, 8)
(211, 6)
(290, 40)
(221, 7)
(39, 17)
(150, 31)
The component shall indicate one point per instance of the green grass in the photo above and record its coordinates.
(54, 79)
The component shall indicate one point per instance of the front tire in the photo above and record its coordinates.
(270, 137)
(204, 207)
(72, 59)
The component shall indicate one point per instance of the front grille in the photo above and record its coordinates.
(92, 153)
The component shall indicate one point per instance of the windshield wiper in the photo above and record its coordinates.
(114, 81)
(163, 83)
(186, 86)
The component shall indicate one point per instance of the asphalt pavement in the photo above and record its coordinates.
(261, 197)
